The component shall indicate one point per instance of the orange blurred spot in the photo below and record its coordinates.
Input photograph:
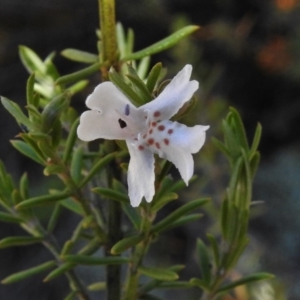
(286, 4)
(274, 56)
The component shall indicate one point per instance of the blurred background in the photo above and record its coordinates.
(246, 55)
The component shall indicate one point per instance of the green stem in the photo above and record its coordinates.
(34, 228)
(113, 272)
(108, 35)
(131, 290)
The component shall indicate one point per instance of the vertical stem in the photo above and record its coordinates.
(113, 272)
(131, 290)
(108, 35)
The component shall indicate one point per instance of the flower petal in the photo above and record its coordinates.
(182, 160)
(175, 142)
(190, 139)
(107, 104)
(172, 98)
(107, 97)
(140, 174)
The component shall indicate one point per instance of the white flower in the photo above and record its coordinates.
(146, 130)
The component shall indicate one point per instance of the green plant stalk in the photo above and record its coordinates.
(113, 272)
(130, 292)
(108, 35)
(77, 196)
(34, 228)
(239, 193)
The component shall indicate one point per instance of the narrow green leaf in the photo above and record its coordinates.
(138, 84)
(76, 76)
(234, 256)
(165, 186)
(72, 136)
(16, 197)
(153, 77)
(8, 218)
(180, 184)
(19, 241)
(53, 169)
(246, 280)
(185, 110)
(76, 164)
(72, 205)
(44, 90)
(256, 140)
(27, 151)
(253, 163)
(34, 115)
(53, 110)
(31, 60)
(67, 248)
(221, 147)
(56, 133)
(239, 129)
(88, 260)
(71, 296)
(51, 70)
(15, 110)
(248, 182)
(158, 273)
(215, 249)
(29, 272)
(130, 41)
(45, 199)
(158, 204)
(234, 180)
(183, 220)
(54, 217)
(97, 286)
(141, 88)
(78, 87)
(231, 143)
(92, 247)
(125, 244)
(116, 79)
(30, 90)
(59, 271)
(98, 166)
(204, 262)
(132, 214)
(154, 283)
(183, 210)
(224, 218)
(121, 40)
(111, 194)
(80, 56)
(164, 44)
(199, 283)
(175, 285)
(143, 67)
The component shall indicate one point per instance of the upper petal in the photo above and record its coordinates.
(107, 97)
(107, 103)
(175, 94)
(140, 174)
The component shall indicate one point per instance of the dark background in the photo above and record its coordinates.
(247, 54)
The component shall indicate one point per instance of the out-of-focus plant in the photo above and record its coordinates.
(96, 175)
